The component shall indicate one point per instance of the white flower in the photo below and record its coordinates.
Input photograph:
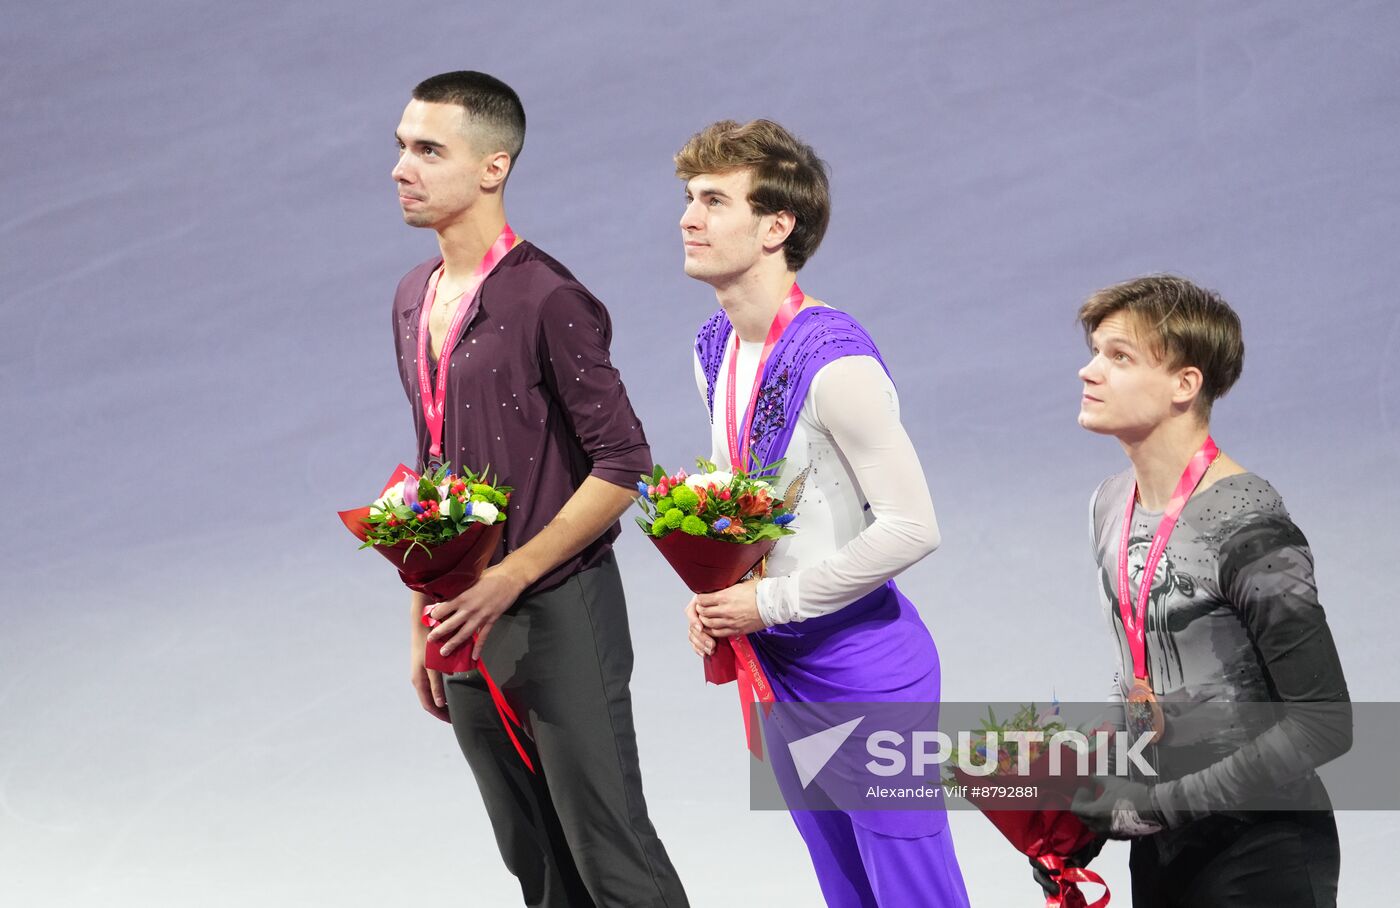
(718, 478)
(392, 498)
(484, 512)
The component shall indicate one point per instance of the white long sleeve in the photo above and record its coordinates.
(866, 513)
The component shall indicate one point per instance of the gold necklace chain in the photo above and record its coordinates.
(452, 299)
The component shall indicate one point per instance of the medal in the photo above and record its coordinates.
(1143, 711)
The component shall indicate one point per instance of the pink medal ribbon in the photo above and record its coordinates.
(434, 395)
(1135, 620)
(739, 437)
(434, 398)
(752, 683)
(753, 688)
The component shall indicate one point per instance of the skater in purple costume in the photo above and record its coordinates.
(786, 376)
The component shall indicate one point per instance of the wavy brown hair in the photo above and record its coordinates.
(1181, 324)
(786, 173)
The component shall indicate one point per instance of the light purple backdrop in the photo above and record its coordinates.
(203, 686)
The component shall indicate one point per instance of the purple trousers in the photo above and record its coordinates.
(875, 650)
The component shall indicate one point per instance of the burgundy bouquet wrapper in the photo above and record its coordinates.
(455, 567)
(1048, 835)
(441, 573)
(707, 565)
(445, 571)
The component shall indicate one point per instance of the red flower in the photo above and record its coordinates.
(755, 504)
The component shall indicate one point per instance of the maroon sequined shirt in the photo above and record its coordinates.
(532, 393)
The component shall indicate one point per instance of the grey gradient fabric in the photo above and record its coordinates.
(1232, 617)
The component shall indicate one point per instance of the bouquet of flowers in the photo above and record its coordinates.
(426, 511)
(714, 527)
(1048, 835)
(714, 503)
(440, 531)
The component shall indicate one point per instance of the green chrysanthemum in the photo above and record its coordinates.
(693, 526)
(686, 499)
(659, 528)
(665, 504)
(674, 517)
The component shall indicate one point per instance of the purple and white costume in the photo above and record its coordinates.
(839, 629)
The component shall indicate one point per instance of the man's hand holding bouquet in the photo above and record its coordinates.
(1056, 841)
(715, 527)
(440, 530)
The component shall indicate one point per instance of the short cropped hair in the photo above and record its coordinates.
(786, 173)
(493, 108)
(1182, 324)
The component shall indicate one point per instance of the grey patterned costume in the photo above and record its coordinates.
(1233, 618)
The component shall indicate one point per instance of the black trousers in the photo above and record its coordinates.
(576, 832)
(1271, 860)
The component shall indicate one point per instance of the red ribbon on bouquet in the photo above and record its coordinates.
(442, 573)
(1069, 895)
(1048, 834)
(462, 661)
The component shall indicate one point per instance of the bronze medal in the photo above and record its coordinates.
(1144, 712)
